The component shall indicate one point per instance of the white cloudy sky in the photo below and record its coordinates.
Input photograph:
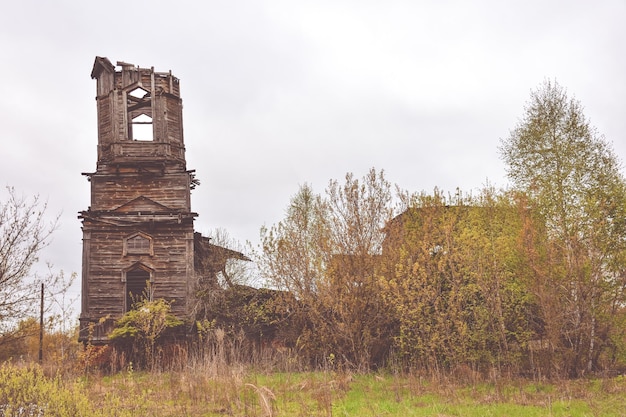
(282, 92)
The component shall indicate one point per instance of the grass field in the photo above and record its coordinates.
(233, 391)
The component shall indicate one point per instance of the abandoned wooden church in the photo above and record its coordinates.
(138, 232)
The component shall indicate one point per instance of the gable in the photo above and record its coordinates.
(144, 205)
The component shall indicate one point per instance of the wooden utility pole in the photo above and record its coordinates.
(41, 328)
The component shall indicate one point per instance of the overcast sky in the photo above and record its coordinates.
(281, 93)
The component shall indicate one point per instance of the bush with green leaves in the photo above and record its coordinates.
(141, 330)
(26, 391)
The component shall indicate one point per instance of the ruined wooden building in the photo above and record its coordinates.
(138, 232)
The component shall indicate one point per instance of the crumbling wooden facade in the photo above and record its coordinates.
(139, 226)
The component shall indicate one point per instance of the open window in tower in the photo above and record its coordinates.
(139, 107)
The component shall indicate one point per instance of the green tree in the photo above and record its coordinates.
(295, 251)
(574, 185)
(416, 280)
(449, 279)
(143, 327)
(501, 314)
(295, 256)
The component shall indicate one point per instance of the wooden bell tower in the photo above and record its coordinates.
(138, 236)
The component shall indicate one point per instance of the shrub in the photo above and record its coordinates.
(141, 329)
(26, 391)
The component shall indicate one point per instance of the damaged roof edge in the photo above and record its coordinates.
(224, 252)
(101, 64)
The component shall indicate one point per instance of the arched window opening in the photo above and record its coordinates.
(136, 287)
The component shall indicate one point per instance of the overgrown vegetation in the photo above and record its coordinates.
(201, 391)
(525, 281)
(138, 333)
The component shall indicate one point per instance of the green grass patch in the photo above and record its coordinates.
(236, 392)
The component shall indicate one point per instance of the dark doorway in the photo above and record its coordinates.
(136, 286)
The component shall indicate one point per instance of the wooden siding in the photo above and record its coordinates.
(173, 120)
(112, 191)
(107, 263)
